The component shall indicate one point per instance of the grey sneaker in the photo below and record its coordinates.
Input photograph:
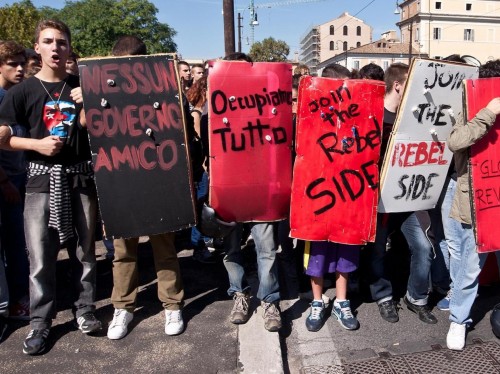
(35, 342)
(239, 313)
(272, 316)
(87, 323)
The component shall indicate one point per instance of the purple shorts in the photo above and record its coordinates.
(321, 258)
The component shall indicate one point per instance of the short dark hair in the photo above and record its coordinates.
(300, 67)
(490, 69)
(10, 49)
(52, 24)
(372, 71)
(296, 80)
(74, 56)
(454, 58)
(395, 72)
(198, 66)
(238, 56)
(129, 45)
(335, 71)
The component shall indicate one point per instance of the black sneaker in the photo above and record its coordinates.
(87, 323)
(35, 342)
(388, 311)
(3, 327)
(423, 311)
(204, 256)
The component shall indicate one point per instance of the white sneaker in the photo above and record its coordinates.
(174, 324)
(455, 339)
(118, 326)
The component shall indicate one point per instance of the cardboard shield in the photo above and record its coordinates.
(138, 142)
(485, 167)
(417, 158)
(335, 176)
(250, 136)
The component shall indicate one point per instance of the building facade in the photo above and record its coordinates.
(383, 52)
(442, 28)
(329, 39)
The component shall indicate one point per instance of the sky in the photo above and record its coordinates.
(200, 27)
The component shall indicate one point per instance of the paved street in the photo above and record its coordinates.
(211, 344)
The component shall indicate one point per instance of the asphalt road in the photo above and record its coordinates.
(211, 344)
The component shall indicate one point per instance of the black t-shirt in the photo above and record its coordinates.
(195, 145)
(389, 119)
(42, 114)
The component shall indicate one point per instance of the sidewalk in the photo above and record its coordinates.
(409, 346)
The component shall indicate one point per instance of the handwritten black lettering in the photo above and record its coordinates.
(419, 186)
(220, 102)
(444, 79)
(349, 183)
(253, 133)
(433, 113)
(328, 142)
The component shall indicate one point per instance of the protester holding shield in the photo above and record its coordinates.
(466, 265)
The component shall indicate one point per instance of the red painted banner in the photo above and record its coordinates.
(485, 166)
(250, 135)
(336, 176)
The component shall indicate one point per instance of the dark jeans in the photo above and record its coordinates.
(197, 238)
(43, 246)
(420, 263)
(13, 242)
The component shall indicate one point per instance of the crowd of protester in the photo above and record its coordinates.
(48, 198)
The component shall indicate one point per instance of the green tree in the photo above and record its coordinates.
(96, 24)
(138, 17)
(269, 50)
(18, 22)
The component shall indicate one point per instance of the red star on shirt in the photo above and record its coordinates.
(57, 94)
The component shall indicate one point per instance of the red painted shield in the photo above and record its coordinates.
(335, 176)
(250, 135)
(485, 170)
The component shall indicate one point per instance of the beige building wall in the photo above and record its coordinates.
(331, 38)
(442, 28)
(342, 33)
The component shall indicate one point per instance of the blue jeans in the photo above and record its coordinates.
(465, 265)
(197, 238)
(43, 245)
(13, 242)
(264, 235)
(420, 264)
(444, 235)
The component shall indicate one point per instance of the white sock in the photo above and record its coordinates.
(338, 301)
